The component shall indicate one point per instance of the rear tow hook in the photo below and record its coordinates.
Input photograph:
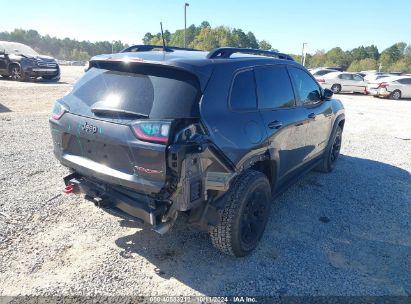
(70, 189)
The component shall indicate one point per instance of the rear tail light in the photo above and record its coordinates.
(383, 85)
(58, 110)
(153, 131)
(321, 80)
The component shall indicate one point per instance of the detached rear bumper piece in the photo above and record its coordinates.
(136, 205)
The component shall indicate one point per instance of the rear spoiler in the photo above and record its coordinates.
(129, 63)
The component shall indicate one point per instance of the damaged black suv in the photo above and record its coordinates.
(213, 136)
(21, 63)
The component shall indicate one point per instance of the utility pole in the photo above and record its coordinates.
(303, 53)
(185, 22)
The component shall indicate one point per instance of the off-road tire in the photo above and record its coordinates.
(336, 88)
(229, 233)
(332, 152)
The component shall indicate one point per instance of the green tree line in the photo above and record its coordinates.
(67, 49)
(396, 58)
(204, 37)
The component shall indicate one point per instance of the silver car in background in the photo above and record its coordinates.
(394, 87)
(321, 71)
(343, 82)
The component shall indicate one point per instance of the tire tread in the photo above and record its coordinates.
(221, 234)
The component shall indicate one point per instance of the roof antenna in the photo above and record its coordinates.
(162, 36)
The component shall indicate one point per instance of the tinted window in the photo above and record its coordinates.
(404, 81)
(346, 76)
(382, 76)
(243, 92)
(154, 91)
(322, 73)
(357, 78)
(306, 87)
(274, 88)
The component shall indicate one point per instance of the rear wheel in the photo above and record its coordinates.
(395, 95)
(336, 88)
(17, 73)
(245, 215)
(332, 152)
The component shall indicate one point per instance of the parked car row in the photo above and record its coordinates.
(384, 85)
(394, 87)
(343, 82)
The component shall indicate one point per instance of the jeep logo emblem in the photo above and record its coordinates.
(88, 128)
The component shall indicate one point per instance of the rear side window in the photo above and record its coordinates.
(346, 76)
(154, 91)
(306, 88)
(322, 72)
(274, 88)
(357, 78)
(404, 81)
(242, 95)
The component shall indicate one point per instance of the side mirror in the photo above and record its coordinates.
(327, 94)
(2, 52)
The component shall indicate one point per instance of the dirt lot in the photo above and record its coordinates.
(346, 233)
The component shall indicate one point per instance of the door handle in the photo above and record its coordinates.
(275, 124)
(311, 115)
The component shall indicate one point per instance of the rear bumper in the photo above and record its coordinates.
(326, 85)
(87, 167)
(383, 92)
(136, 205)
(372, 91)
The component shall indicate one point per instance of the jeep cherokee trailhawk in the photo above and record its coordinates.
(211, 135)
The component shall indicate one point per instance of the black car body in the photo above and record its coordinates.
(21, 62)
(157, 134)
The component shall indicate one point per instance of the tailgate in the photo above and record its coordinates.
(109, 152)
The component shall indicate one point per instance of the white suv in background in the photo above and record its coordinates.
(343, 82)
(395, 87)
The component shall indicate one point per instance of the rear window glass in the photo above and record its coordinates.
(322, 73)
(158, 92)
(17, 48)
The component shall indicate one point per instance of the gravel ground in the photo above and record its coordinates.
(345, 233)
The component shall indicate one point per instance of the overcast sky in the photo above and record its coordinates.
(323, 24)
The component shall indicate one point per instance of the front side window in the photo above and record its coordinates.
(274, 88)
(243, 95)
(307, 89)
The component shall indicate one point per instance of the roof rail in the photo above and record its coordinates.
(147, 48)
(226, 52)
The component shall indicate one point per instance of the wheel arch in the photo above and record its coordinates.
(11, 64)
(268, 166)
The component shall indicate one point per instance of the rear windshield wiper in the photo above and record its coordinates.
(117, 111)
